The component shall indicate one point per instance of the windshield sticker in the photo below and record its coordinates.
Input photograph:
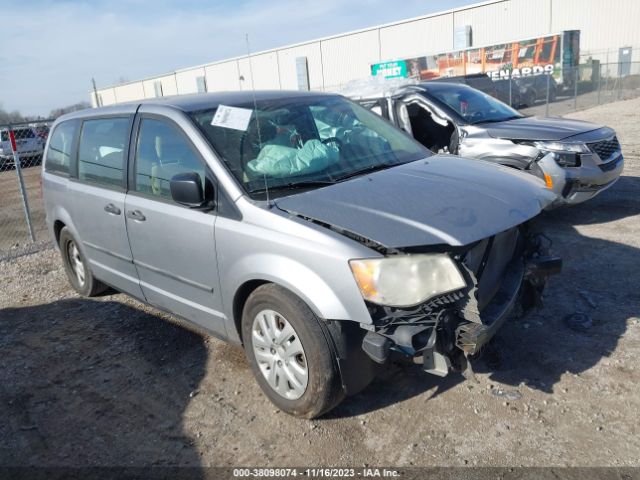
(232, 117)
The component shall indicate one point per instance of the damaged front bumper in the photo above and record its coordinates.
(444, 331)
(574, 185)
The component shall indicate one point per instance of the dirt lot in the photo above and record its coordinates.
(111, 382)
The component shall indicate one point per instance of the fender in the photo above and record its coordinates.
(292, 275)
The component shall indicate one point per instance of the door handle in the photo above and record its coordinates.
(112, 209)
(136, 215)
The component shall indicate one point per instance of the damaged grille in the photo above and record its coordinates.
(605, 148)
(423, 314)
(488, 261)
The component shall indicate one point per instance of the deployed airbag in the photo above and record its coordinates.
(281, 161)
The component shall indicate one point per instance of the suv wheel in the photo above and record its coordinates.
(530, 98)
(289, 353)
(77, 268)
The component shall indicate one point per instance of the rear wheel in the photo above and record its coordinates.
(77, 267)
(289, 353)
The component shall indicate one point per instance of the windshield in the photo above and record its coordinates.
(303, 142)
(472, 105)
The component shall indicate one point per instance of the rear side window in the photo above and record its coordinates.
(102, 151)
(59, 153)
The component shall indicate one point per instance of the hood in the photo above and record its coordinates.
(443, 199)
(537, 128)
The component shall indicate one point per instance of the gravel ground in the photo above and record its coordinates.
(109, 381)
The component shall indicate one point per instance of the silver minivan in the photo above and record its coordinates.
(300, 225)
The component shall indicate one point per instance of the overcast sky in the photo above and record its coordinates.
(51, 49)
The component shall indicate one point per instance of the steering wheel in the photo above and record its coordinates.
(335, 140)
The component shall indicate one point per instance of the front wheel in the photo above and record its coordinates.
(289, 353)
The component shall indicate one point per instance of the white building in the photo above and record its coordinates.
(605, 27)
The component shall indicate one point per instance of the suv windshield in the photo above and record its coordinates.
(472, 105)
(302, 142)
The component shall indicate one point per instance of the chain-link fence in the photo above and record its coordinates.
(22, 216)
(580, 87)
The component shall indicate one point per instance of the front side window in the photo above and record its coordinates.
(102, 151)
(162, 152)
(302, 142)
(59, 153)
(472, 105)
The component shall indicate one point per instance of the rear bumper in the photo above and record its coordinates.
(8, 159)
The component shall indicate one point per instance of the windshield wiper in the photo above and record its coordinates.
(370, 169)
(292, 186)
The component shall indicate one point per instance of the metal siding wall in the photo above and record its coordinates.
(265, 72)
(186, 80)
(603, 25)
(349, 57)
(129, 92)
(287, 61)
(336, 61)
(505, 21)
(417, 38)
(149, 88)
(223, 77)
(108, 96)
(168, 86)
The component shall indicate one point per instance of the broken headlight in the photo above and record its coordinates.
(406, 280)
(565, 154)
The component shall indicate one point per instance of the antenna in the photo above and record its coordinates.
(255, 112)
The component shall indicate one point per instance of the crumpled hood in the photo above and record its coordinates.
(537, 128)
(443, 199)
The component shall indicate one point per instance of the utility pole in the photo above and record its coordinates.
(95, 92)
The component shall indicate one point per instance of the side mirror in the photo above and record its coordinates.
(186, 189)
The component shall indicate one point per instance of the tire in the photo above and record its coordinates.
(530, 98)
(275, 309)
(73, 258)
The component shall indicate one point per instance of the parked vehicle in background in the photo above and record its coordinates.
(479, 81)
(30, 146)
(299, 224)
(42, 131)
(576, 159)
(533, 88)
(507, 91)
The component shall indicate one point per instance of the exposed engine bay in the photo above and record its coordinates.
(505, 272)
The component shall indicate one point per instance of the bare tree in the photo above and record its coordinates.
(56, 112)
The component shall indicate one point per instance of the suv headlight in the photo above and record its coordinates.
(406, 280)
(566, 154)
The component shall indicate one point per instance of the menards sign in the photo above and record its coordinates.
(550, 54)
